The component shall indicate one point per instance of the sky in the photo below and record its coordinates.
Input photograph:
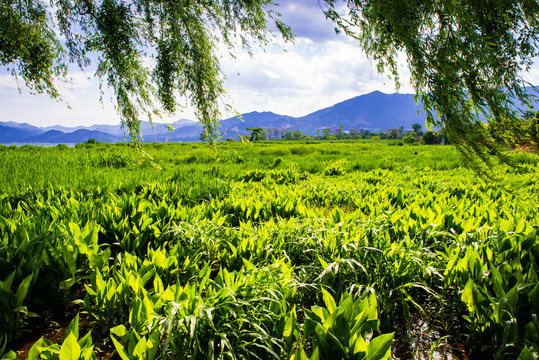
(320, 69)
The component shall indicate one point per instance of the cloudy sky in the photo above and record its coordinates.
(320, 69)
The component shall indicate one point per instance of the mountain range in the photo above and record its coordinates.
(375, 111)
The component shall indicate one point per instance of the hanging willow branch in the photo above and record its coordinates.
(149, 52)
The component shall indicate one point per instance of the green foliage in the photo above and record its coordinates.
(13, 313)
(116, 159)
(345, 330)
(223, 258)
(417, 128)
(71, 348)
(410, 139)
(431, 138)
(335, 168)
(465, 58)
(37, 41)
(499, 286)
(257, 134)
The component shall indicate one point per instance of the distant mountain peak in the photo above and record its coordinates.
(375, 111)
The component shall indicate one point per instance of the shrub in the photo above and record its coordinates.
(409, 139)
(335, 168)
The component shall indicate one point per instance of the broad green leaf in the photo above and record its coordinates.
(120, 349)
(291, 323)
(70, 349)
(316, 354)
(380, 347)
(140, 349)
(153, 345)
(328, 301)
(74, 229)
(86, 341)
(22, 290)
(73, 328)
(359, 346)
(9, 280)
(67, 284)
(88, 353)
(119, 331)
(527, 354)
(299, 355)
(468, 295)
(10, 355)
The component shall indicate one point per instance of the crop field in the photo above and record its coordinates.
(358, 250)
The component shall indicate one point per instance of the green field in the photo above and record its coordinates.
(268, 250)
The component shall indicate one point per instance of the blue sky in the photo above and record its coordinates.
(320, 69)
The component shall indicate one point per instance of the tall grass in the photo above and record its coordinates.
(269, 250)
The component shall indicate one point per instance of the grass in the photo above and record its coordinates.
(242, 249)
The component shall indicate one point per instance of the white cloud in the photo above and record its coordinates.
(303, 78)
(321, 69)
(532, 76)
(8, 82)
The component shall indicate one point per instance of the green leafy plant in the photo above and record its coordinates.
(346, 330)
(71, 348)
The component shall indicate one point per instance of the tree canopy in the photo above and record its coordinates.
(148, 51)
(466, 57)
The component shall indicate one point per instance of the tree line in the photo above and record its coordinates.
(414, 135)
(526, 134)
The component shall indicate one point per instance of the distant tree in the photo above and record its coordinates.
(340, 133)
(354, 134)
(431, 138)
(417, 128)
(269, 134)
(533, 129)
(326, 132)
(257, 134)
(297, 135)
(287, 135)
(392, 133)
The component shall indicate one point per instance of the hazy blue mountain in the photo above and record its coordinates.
(146, 128)
(373, 111)
(267, 120)
(77, 136)
(23, 126)
(9, 135)
(229, 127)
(181, 133)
